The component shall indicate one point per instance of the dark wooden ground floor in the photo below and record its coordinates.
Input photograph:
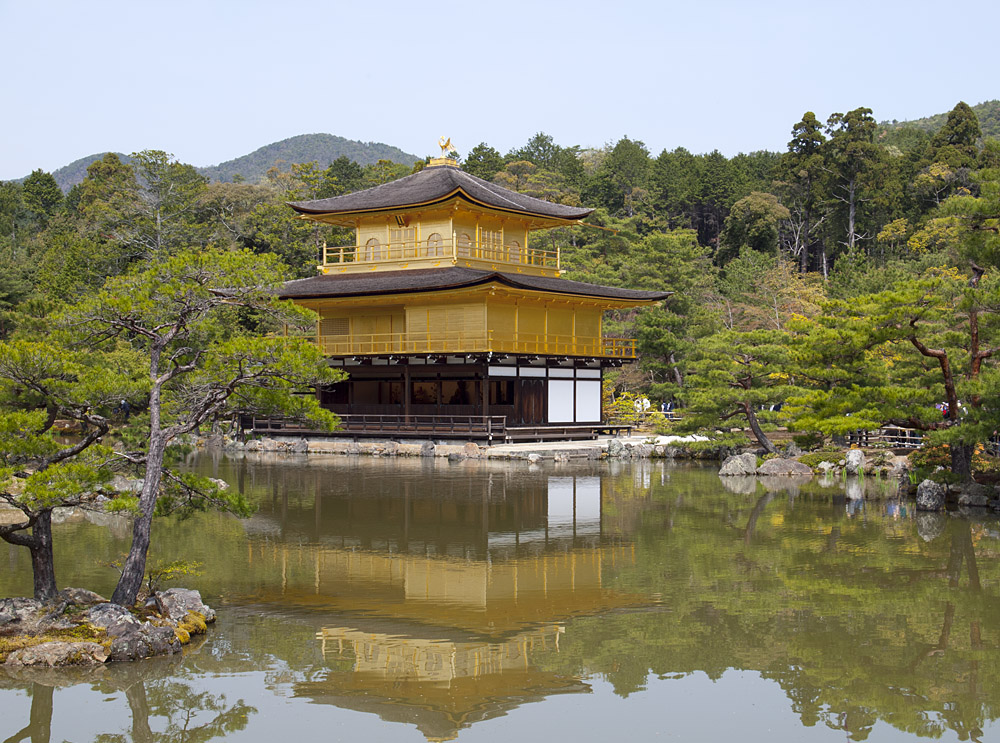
(486, 398)
(526, 392)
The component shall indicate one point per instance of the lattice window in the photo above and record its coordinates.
(335, 326)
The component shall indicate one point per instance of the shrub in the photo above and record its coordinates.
(813, 459)
(808, 441)
(159, 573)
(929, 457)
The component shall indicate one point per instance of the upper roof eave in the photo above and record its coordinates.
(436, 184)
(431, 280)
(458, 192)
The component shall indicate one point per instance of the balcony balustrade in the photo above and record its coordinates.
(454, 248)
(475, 342)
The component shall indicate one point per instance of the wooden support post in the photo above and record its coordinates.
(407, 384)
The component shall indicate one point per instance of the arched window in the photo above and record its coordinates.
(373, 250)
(464, 244)
(513, 251)
(435, 245)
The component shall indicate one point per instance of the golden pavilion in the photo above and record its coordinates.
(451, 320)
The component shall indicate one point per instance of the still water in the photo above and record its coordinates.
(409, 600)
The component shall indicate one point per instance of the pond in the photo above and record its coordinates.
(421, 599)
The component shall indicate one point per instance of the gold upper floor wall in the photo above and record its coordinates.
(453, 234)
(486, 318)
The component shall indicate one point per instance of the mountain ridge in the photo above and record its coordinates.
(988, 113)
(252, 167)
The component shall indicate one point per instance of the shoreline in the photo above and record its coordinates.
(630, 447)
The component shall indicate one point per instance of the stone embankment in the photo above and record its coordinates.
(633, 447)
(79, 627)
(853, 466)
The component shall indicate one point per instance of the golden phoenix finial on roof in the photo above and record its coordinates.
(445, 145)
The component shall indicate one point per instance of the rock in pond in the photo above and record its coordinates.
(146, 641)
(975, 494)
(784, 467)
(175, 603)
(930, 496)
(739, 464)
(854, 462)
(58, 654)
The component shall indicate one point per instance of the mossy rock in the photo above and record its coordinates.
(194, 623)
(80, 633)
(182, 635)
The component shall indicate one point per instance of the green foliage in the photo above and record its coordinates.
(621, 407)
(206, 310)
(814, 459)
(161, 572)
(738, 374)
(753, 222)
(483, 162)
(929, 457)
(42, 194)
(668, 332)
(808, 441)
(987, 113)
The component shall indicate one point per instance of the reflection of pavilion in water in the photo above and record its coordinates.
(437, 603)
(488, 514)
(439, 685)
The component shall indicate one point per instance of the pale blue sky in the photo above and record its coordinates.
(212, 80)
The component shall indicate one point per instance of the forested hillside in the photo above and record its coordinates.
(988, 113)
(844, 283)
(322, 149)
(69, 175)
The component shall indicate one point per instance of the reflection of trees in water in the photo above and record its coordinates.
(185, 714)
(857, 628)
(39, 727)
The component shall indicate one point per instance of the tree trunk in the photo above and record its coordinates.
(762, 439)
(42, 562)
(804, 255)
(676, 370)
(961, 460)
(134, 568)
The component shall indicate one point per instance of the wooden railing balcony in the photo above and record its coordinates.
(487, 427)
(460, 343)
(451, 248)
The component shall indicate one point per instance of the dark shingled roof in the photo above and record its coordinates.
(434, 184)
(435, 279)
